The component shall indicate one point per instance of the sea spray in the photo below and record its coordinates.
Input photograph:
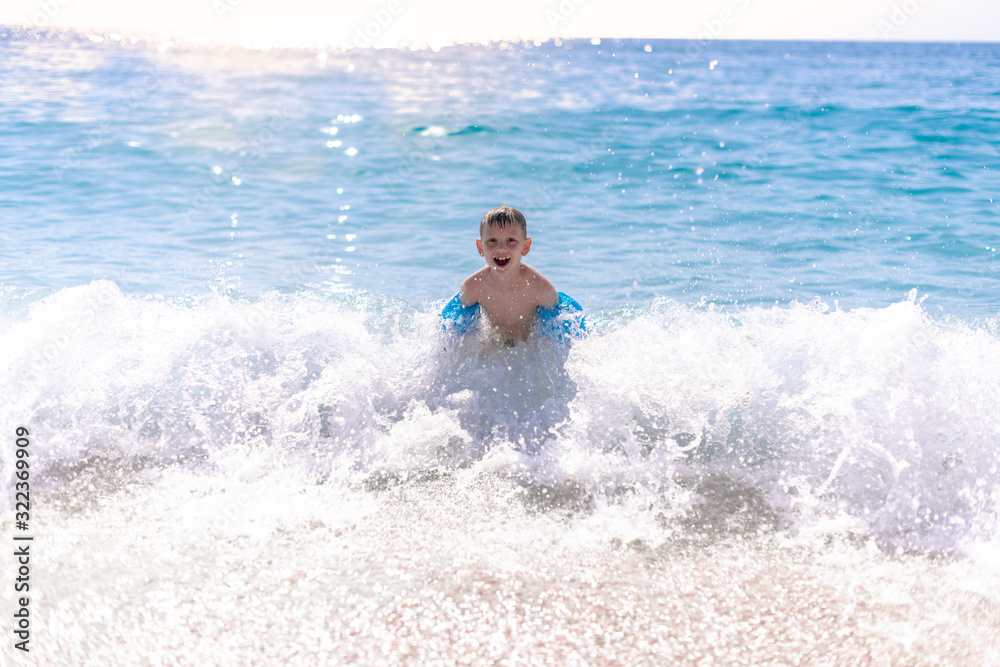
(880, 423)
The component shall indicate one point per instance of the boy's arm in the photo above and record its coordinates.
(461, 314)
(469, 291)
(546, 293)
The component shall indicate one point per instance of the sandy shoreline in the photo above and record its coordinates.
(187, 573)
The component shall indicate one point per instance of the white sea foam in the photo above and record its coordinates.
(324, 478)
(667, 422)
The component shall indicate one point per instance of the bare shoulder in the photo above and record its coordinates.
(472, 288)
(543, 290)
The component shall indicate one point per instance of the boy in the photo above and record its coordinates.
(508, 291)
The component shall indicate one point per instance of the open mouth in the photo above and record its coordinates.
(502, 262)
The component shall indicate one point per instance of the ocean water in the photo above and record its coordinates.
(220, 273)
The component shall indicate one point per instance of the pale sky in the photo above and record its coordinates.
(386, 22)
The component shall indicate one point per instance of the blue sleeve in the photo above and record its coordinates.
(458, 318)
(563, 321)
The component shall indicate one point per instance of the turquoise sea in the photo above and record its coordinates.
(220, 273)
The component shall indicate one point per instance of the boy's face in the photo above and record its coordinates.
(503, 247)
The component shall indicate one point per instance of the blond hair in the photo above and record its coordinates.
(501, 216)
